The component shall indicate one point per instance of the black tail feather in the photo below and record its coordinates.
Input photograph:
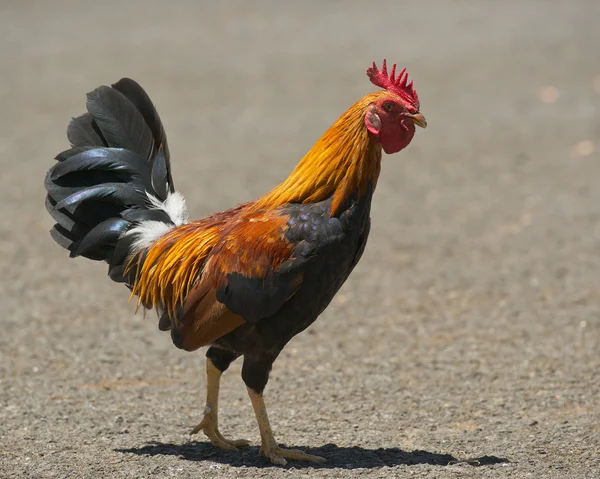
(63, 155)
(62, 217)
(122, 125)
(140, 99)
(117, 193)
(104, 159)
(101, 187)
(161, 173)
(83, 131)
(103, 234)
(62, 236)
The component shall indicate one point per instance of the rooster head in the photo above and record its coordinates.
(394, 114)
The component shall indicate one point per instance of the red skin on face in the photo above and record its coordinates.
(386, 122)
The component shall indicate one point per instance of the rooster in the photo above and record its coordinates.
(243, 281)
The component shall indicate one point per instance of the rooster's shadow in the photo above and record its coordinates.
(337, 457)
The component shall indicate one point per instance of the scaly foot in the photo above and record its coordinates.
(209, 427)
(269, 446)
(278, 455)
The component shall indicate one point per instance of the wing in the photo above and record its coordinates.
(261, 263)
(253, 269)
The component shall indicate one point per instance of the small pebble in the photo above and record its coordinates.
(549, 94)
(584, 148)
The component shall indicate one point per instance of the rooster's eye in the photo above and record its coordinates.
(388, 106)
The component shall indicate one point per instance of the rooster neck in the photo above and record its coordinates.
(341, 165)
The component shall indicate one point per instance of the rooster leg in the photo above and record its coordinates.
(209, 424)
(269, 446)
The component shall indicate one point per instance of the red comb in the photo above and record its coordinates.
(395, 85)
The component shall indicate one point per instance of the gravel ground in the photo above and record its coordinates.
(466, 344)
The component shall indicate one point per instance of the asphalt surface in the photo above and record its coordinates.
(466, 343)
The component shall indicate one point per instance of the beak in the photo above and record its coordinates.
(419, 120)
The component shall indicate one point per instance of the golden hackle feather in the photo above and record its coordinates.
(343, 161)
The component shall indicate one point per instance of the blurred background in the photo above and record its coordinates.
(471, 326)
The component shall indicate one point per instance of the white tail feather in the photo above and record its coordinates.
(149, 231)
(174, 206)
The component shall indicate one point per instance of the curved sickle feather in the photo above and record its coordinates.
(105, 159)
(104, 234)
(122, 193)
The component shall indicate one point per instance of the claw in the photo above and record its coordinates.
(217, 439)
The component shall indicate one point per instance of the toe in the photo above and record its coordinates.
(239, 442)
(232, 442)
(226, 446)
(217, 439)
(299, 455)
(279, 456)
(202, 426)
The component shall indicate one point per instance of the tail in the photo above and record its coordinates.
(111, 194)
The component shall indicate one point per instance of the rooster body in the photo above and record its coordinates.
(243, 281)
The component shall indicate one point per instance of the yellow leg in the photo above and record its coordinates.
(269, 446)
(209, 424)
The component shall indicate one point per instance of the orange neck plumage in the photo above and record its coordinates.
(344, 160)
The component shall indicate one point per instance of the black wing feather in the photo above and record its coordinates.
(260, 297)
